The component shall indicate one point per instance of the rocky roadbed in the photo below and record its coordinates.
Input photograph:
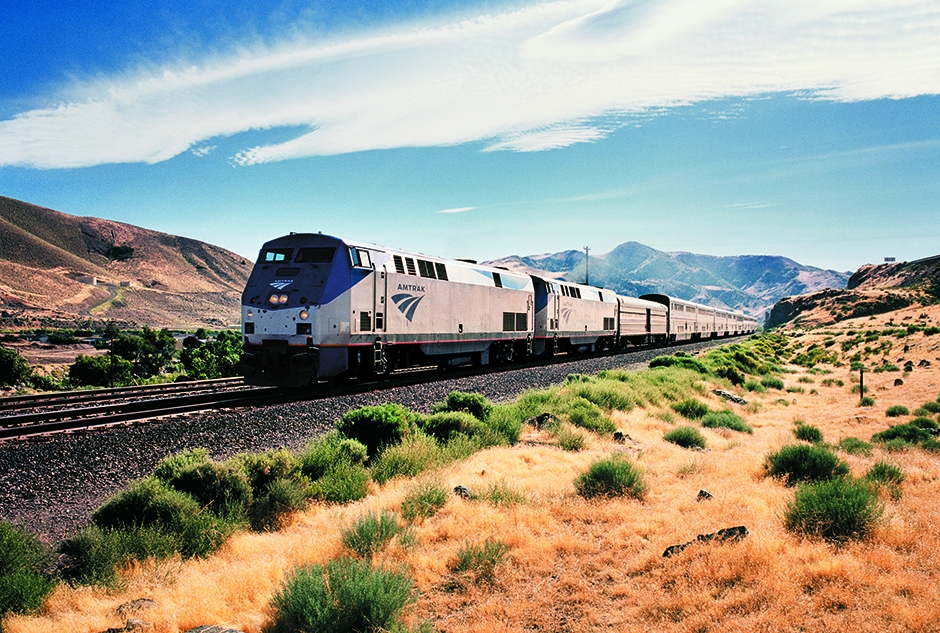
(52, 485)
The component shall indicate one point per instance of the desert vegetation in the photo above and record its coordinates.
(482, 516)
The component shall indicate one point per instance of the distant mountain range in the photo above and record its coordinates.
(59, 270)
(750, 283)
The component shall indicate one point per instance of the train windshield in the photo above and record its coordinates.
(277, 255)
(315, 255)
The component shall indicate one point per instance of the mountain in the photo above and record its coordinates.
(750, 283)
(59, 270)
(872, 289)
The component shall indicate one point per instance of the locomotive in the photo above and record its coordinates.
(317, 307)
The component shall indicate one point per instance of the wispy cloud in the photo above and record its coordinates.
(535, 78)
(202, 150)
(457, 210)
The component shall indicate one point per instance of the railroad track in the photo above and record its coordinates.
(40, 414)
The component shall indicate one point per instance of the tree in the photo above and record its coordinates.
(217, 358)
(151, 353)
(13, 368)
(95, 371)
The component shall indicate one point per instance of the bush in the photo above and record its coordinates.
(98, 371)
(686, 437)
(322, 455)
(473, 403)
(150, 503)
(808, 433)
(771, 382)
(804, 463)
(690, 408)
(172, 466)
(346, 595)
(931, 407)
(414, 455)
(501, 493)
(14, 369)
(94, 555)
(344, 483)
(883, 472)
(263, 469)
(896, 411)
(377, 426)
(855, 446)
(753, 385)
(371, 533)
(612, 477)
(908, 433)
(835, 510)
(444, 425)
(866, 401)
(481, 560)
(726, 419)
(568, 438)
(423, 501)
(686, 362)
(219, 488)
(279, 499)
(24, 585)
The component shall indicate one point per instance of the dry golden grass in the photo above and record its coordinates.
(578, 565)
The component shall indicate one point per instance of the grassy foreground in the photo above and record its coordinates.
(544, 557)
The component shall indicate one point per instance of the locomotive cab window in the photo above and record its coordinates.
(277, 255)
(315, 255)
(360, 258)
(497, 280)
(426, 269)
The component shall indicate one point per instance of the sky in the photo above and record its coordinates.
(803, 128)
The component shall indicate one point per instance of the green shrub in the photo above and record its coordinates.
(909, 433)
(896, 411)
(584, 413)
(866, 401)
(219, 488)
(726, 419)
(833, 382)
(931, 407)
(924, 423)
(94, 555)
(151, 503)
(835, 510)
(24, 585)
(14, 369)
(344, 483)
(690, 408)
(444, 425)
(568, 438)
(686, 437)
(686, 362)
(473, 403)
(771, 382)
(800, 463)
(278, 500)
(481, 560)
(100, 371)
(755, 386)
(371, 533)
(322, 455)
(415, 454)
(808, 433)
(262, 469)
(731, 373)
(171, 466)
(606, 394)
(377, 426)
(502, 428)
(347, 595)
(855, 446)
(423, 501)
(883, 472)
(612, 477)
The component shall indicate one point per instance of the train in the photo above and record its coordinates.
(320, 308)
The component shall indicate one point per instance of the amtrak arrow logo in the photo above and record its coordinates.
(280, 285)
(407, 304)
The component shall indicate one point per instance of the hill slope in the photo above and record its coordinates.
(47, 260)
(751, 283)
(873, 289)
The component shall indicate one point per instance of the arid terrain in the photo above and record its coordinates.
(579, 565)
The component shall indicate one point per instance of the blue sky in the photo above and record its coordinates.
(809, 129)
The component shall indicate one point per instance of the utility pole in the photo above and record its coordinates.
(587, 277)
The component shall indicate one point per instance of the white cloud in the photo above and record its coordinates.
(202, 150)
(457, 210)
(530, 79)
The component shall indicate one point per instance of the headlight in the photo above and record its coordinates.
(282, 299)
(250, 314)
(304, 314)
(273, 300)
